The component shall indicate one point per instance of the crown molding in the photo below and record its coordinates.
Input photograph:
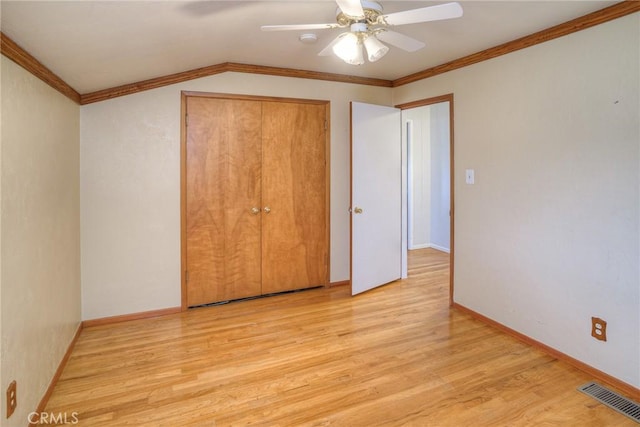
(128, 89)
(14, 52)
(131, 88)
(607, 14)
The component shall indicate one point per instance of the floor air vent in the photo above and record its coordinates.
(613, 400)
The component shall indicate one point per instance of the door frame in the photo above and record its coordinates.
(421, 103)
(183, 173)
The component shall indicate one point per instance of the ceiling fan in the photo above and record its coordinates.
(368, 27)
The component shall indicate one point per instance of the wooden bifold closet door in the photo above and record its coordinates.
(256, 198)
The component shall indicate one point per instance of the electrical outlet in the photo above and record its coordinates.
(12, 398)
(598, 329)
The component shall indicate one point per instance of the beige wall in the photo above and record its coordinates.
(130, 187)
(549, 235)
(419, 176)
(40, 228)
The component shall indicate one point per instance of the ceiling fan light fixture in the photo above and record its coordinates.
(349, 49)
(368, 29)
(358, 59)
(375, 48)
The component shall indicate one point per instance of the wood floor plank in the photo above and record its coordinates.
(393, 356)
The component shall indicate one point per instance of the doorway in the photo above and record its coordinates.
(427, 143)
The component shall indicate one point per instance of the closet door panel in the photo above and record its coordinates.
(223, 185)
(242, 194)
(294, 242)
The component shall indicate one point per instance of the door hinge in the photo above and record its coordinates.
(326, 125)
(186, 120)
(186, 276)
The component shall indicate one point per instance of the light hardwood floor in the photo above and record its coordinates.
(393, 356)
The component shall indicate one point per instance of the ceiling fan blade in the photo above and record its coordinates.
(400, 40)
(298, 27)
(425, 14)
(329, 49)
(351, 8)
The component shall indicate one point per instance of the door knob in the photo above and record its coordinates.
(267, 209)
(255, 211)
(357, 210)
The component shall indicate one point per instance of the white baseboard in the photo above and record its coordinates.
(430, 245)
(440, 248)
(423, 246)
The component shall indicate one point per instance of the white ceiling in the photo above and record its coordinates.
(94, 45)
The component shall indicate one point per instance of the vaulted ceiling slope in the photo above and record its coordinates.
(94, 50)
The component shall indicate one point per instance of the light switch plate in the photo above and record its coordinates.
(470, 176)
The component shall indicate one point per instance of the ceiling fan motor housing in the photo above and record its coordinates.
(372, 11)
(359, 27)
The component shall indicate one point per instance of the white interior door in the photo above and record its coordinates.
(376, 220)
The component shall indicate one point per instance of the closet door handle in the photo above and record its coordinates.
(255, 211)
(267, 209)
